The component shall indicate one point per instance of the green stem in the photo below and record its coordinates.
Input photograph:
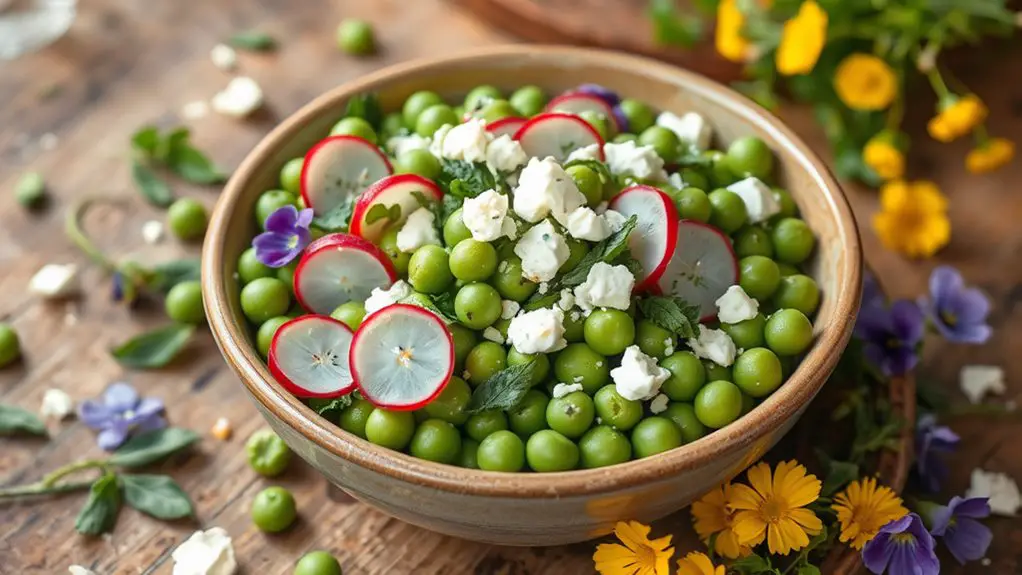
(38, 489)
(75, 231)
(937, 82)
(966, 410)
(51, 479)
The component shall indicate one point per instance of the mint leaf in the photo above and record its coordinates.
(152, 446)
(465, 179)
(154, 348)
(839, 473)
(156, 495)
(337, 219)
(253, 40)
(169, 274)
(606, 251)
(193, 165)
(597, 166)
(15, 420)
(365, 106)
(380, 212)
(672, 28)
(146, 140)
(752, 565)
(504, 389)
(330, 408)
(440, 305)
(671, 313)
(100, 512)
(152, 188)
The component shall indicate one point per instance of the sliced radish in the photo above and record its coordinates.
(399, 190)
(578, 102)
(702, 267)
(338, 167)
(656, 232)
(505, 126)
(402, 357)
(339, 268)
(557, 134)
(309, 356)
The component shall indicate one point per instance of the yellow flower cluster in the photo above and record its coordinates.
(957, 117)
(863, 508)
(883, 157)
(913, 218)
(865, 82)
(990, 155)
(638, 554)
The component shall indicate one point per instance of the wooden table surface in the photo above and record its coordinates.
(126, 63)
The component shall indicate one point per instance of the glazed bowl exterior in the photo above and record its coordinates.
(533, 508)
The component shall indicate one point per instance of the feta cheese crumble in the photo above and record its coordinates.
(676, 181)
(976, 381)
(241, 97)
(638, 377)
(562, 389)
(509, 309)
(736, 305)
(55, 281)
(616, 220)
(627, 158)
(659, 404)
(57, 404)
(567, 299)
(195, 110)
(1000, 488)
(466, 141)
(585, 224)
(543, 251)
(544, 188)
(590, 152)
(493, 334)
(505, 155)
(79, 570)
(486, 216)
(417, 231)
(223, 57)
(759, 199)
(380, 298)
(398, 145)
(605, 286)
(206, 552)
(538, 331)
(690, 128)
(714, 345)
(152, 232)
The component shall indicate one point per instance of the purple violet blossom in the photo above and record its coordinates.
(286, 235)
(959, 313)
(871, 293)
(119, 412)
(966, 538)
(932, 442)
(891, 335)
(902, 547)
(607, 95)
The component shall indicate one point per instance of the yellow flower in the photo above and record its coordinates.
(729, 40)
(863, 508)
(698, 564)
(913, 218)
(990, 155)
(712, 515)
(638, 556)
(957, 117)
(865, 82)
(802, 40)
(772, 509)
(884, 157)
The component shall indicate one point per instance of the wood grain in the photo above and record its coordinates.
(130, 62)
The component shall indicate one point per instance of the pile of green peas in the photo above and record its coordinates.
(596, 426)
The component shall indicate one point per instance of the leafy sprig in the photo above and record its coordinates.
(464, 179)
(671, 313)
(504, 389)
(174, 152)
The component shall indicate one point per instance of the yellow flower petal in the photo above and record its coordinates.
(913, 218)
(728, 38)
(865, 82)
(958, 117)
(633, 534)
(863, 508)
(638, 555)
(802, 40)
(884, 158)
(698, 564)
(990, 156)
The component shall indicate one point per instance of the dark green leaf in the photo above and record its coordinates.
(839, 473)
(253, 40)
(152, 188)
(430, 302)
(808, 569)
(146, 141)
(168, 145)
(671, 313)
(752, 565)
(597, 166)
(504, 389)
(194, 166)
(466, 179)
(367, 107)
(449, 205)
(100, 512)
(330, 408)
(168, 274)
(445, 303)
(605, 251)
(15, 420)
(154, 348)
(337, 219)
(156, 495)
(672, 28)
(817, 540)
(152, 446)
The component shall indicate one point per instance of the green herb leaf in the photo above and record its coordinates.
(30, 191)
(100, 512)
(168, 274)
(437, 304)
(597, 166)
(504, 389)
(605, 251)
(448, 206)
(156, 495)
(253, 40)
(465, 179)
(152, 188)
(670, 27)
(839, 473)
(365, 106)
(380, 212)
(752, 565)
(193, 165)
(154, 348)
(152, 446)
(337, 219)
(330, 408)
(672, 313)
(15, 420)
(808, 569)
(146, 141)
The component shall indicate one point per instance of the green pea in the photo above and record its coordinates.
(588, 182)
(388, 245)
(496, 110)
(789, 209)
(599, 122)
(693, 204)
(356, 37)
(30, 191)
(250, 268)
(615, 410)
(273, 509)
(758, 276)
(574, 326)
(609, 331)
(436, 440)
(455, 230)
(664, 141)
(528, 100)
(433, 118)
(267, 453)
(579, 363)
(183, 303)
(548, 450)
(485, 423)
(480, 96)
(270, 202)
(355, 417)
(540, 367)
(429, 270)
(418, 161)
(264, 336)
(392, 429)
(350, 313)
(718, 173)
(718, 403)
(655, 435)
(485, 359)
(716, 372)
(687, 376)
(797, 292)
(757, 372)
(317, 563)
(602, 446)
(571, 415)
(529, 416)
(753, 241)
(746, 334)
(509, 281)
(693, 178)
(354, 126)
(477, 305)
(787, 269)
(416, 103)
(472, 260)
(501, 451)
(464, 341)
(393, 125)
(452, 402)
(793, 240)
(640, 116)
(286, 274)
(468, 458)
(728, 210)
(652, 339)
(187, 219)
(750, 157)
(684, 416)
(264, 298)
(788, 332)
(622, 138)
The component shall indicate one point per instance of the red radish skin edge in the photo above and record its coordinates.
(304, 185)
(284, 380)
(570, 117)
(608, 109)
(503, 122)
(376, 317)
(649, 283)
(343, 240)
(731, 250)
(365, 201)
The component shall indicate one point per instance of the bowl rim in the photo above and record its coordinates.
(786, 402)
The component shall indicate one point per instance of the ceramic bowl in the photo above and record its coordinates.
(534, 508)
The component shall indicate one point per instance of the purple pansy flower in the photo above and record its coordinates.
(871, 293)
(959, 313)
(119, 412)
(932, 442)
(902, 547)
(605, 94)
(966, 538)
(286, 235)
(891, 335)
